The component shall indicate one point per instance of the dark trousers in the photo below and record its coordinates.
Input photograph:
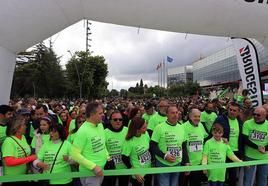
(216, 183)
(195, 178)
(147, 182)
(111, 180)
(231, 173)
(182, 179)
(20, 183)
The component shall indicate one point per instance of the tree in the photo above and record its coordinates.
(123, 93)
(113, 93)
(87, 75)
(41, 76)
(184, 89)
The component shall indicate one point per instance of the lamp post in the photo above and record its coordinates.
(79, 80)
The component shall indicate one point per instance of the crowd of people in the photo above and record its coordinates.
(60, 136)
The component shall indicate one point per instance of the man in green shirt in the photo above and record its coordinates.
(159, 117)
(232, 127)
(169, 146)
(149, 112)
(89, 148)
(6, 112)
(196, 134)
(256, 146)
(208, 116)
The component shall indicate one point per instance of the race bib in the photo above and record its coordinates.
(257, 135)
(175, 151)
(145, 157)
(117, 158)
(195, 146)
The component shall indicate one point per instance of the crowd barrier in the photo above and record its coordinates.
(28, 177)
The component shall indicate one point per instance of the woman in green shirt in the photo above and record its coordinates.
(53, 157)
(16, 152)
(135, 152)
(78, 123)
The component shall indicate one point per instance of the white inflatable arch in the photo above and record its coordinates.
(25, 23)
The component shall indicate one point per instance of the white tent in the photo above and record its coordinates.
(25, 23)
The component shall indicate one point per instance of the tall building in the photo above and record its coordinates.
(179, 75)
(222, 67)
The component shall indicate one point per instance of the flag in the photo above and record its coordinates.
(222, 94)
(158, 66)
(169, 59)
(248, 65)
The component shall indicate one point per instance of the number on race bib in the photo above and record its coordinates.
(145, 157)
(257, 135)
(195, 146)
(175, 151)
(117, 158)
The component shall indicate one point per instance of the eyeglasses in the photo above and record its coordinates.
(255, 114)
(117, 119)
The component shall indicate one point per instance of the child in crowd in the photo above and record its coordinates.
(215, 151)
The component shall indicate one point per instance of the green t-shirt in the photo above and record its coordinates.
(31, 129)
(90, 139)
(71, 137)
(155, 120)
(137, 148)
(216, 152)
(234, 134)
(180, 122)
(257, 133)
(47, 155)
(239, 98)
(72, 125)
(2, 133)
(169, 139)
(114, 144)
(208, 119)
(45, 139)
(147, 117)
(195, 141)
(12, 149)
(59, 120)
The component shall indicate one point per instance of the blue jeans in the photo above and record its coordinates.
(167, 179)
(216, 183)
(261, 176)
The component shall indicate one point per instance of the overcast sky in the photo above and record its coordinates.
(132, 53)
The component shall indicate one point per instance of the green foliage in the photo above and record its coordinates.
(113, 93)
(184, 89)
(89, 72)
(41, 76)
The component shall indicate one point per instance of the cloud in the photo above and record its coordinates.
(133, 53)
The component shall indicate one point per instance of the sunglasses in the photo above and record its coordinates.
(255, 114)
(117, 119)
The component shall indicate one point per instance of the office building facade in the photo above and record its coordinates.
(222, 67)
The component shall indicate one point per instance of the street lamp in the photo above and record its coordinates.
(79, 80)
